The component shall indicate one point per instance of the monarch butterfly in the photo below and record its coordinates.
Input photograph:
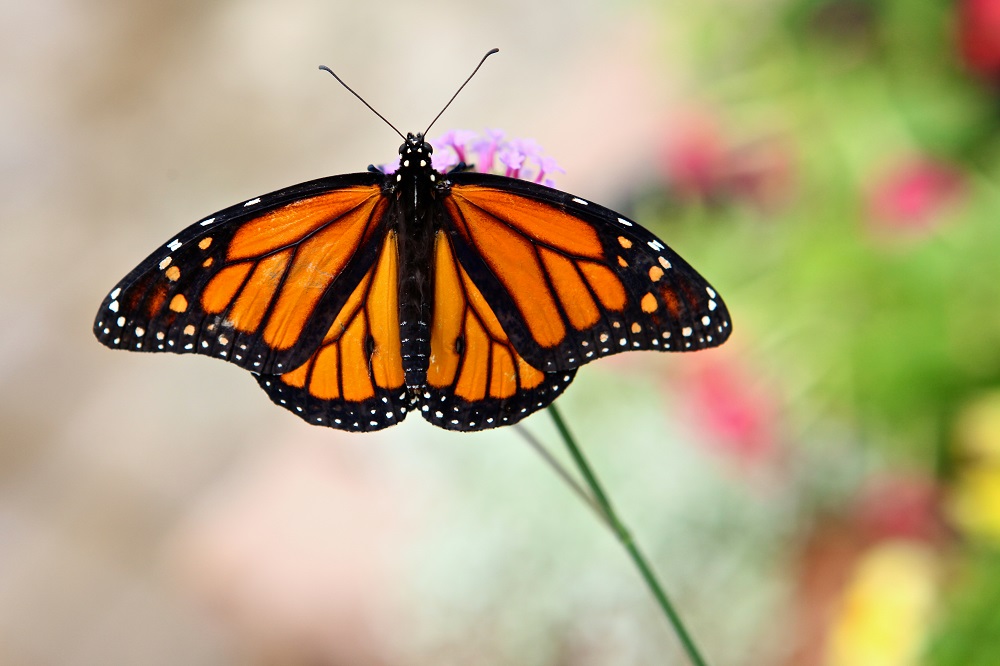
(469, 297)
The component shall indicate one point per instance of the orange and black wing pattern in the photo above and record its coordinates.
(570, 281)
(476, 378)
(354, 380)
(258, 284)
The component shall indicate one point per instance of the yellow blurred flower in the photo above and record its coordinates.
(974, 502)
(977, 430)
(886, 608)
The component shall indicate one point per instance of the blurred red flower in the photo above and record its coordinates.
(700, 163)
(911, 197)
(979, 36)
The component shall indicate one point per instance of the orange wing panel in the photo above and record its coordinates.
(290, 224)
(383, 316)
(253, 301)
(606, 285)
(573, 293)
(223, 287)
(538, 221)
(342, 367)
(486, 367)
(317, 264)
(512, 259)
(503, 376)
(325, 384)
(449, 314)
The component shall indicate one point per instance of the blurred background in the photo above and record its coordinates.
(824, 489)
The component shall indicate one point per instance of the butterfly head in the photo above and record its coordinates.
(415, 146)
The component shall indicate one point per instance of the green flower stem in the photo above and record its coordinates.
(563, 474)
(623, 535)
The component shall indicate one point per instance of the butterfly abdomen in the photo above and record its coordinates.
(413, 184)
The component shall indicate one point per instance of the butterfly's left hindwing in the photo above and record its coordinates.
(256, 284)
(354, 380)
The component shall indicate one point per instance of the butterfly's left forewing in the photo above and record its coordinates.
(256, 284)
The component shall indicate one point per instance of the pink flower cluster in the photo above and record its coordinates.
(491, 152)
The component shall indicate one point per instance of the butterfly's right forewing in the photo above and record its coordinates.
(257, 284)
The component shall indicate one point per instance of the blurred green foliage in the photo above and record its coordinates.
(868, 288)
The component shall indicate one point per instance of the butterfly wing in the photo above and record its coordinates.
(476, 378)
(257, 284)
(571, 281)
(354, 380)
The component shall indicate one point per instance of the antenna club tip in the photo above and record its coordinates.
(492, 51)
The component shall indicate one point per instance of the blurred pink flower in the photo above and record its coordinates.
(901, 506)
(979, 36)
(912, 196)
(737, 416)
(693, 158)
(700, 163)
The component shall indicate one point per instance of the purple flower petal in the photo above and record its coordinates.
(487, 148)
(511, 158)
(460, 142)
(528, 147)
(515, 158)
(547, 165)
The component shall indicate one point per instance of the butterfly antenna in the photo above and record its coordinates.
(327, 69)
(488, 54)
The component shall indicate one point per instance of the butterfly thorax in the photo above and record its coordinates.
(414, 185)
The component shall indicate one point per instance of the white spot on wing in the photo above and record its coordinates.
(115, 293)
(252, 202)
(165, 263)
(711, 292)
(624, 221)
(207, 222)
(705, 320)
(113, 306)
(656, 245)
(173, 245)
(580, 201)
(686, 331)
